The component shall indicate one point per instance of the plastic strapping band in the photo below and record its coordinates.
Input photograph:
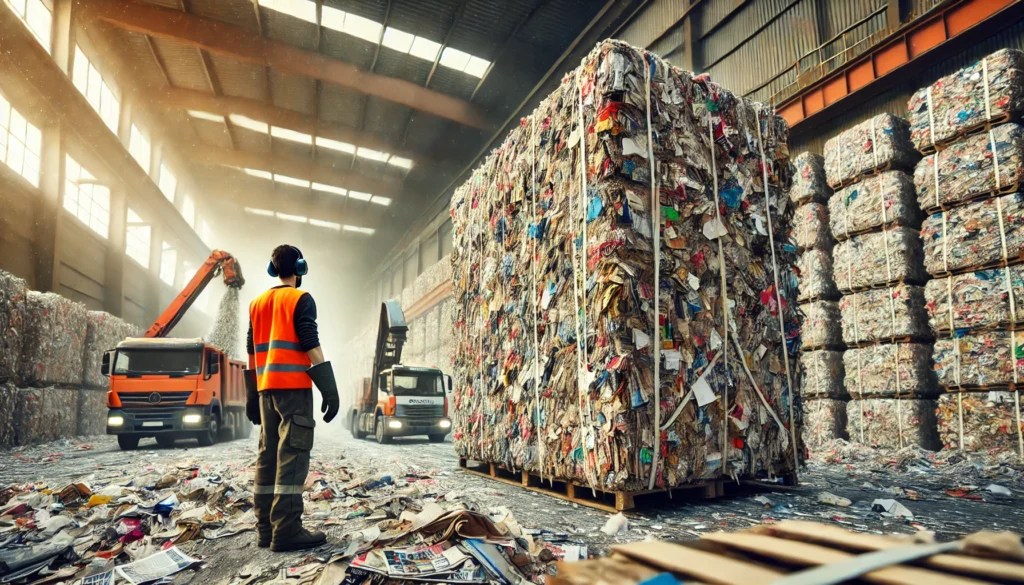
(899, 397)
(945, 244)
(935, 175)
(778, 296)
(533, 265)
(725, 300)
(656, 240)
(931, 117)
(988, 100)
(860, 381)
(960, 414)
(874, 146)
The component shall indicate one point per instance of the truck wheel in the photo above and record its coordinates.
(436, 438)
(128, 442)
(209, 436)
(227, 432)
(381, 434)
(358, 434)
(165, 440)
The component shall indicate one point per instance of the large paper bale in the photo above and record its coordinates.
(814, 276)
(985, 359)
(890, 370)
(603, 430)
(92, 412)
(990, 422)
(890, 423)
(809, 182)
(13, 312)
(882, 142)
(53, 346)
(884, 199)
(956, 102)
(822, 326)
(823, 374)
(967, 168)
(975, 300)
(968, 238)
(824, 421)
(810, 227)
(879, 258)
(884, 314)
(45, 414)
(8, 401)
(104, 331)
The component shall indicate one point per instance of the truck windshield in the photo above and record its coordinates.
(148, 361)
(418, 384)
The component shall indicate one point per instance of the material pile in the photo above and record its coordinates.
(12, 323)
(991, 421)
(978, 235)
(822, 326)
(814, 276)
(986, 358)
(824, 421)
(103, 332)
(809, 183)
(823, 374)
(893, 423)
(53, 343)
(884, 199)
(890, 370)
(881, 143)
(810, 227)
(875, 259)
(45, 414)
(990, 90)
(976, 300)
(884, 314)
(560, 369)
(226, 333)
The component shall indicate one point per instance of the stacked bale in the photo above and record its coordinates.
(103, 332)
(879, 269)
(973, 244)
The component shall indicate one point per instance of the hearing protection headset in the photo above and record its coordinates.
(301, 267)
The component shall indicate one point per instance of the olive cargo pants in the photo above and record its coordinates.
(286, 438)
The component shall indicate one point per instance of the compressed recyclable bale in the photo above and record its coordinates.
(884, 199)
(976, 300)
(822, 326)
(13, 311)
(809, 182)
(814, 276)
(53, 346)
(971, 237)
(967, 168)
(602, 431)
(823, 374)
(824, 421)
(810, 227)
(103, 332)
(45, 414)
(869, 260)
(883, 314)
(984, 359)
(882, 142)
(8, 400)
(890, 370)
(990, 422)
(92, 412)
(957, 102)
(893, 423)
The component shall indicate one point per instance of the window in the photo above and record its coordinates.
(168, 182)
(37, 16)
(88, 81)
(137, 239)
(302, 9)
(20, 143)
(138, 145)
(85, 198)
(168, 264)
(188, 211)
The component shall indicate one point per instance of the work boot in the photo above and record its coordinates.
(298, 540)
(263, 537)
(264, 530)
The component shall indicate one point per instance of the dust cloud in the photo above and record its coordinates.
(225, 333)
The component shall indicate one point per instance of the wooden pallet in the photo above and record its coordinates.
(993, 265)
(874, 230)
(881, 285)
(609, 501)
(991, 193)
(946, 332)
(854, 180)
(889, 341)
(824, 347)
(978, 388)
(930, 149)
(817, 298)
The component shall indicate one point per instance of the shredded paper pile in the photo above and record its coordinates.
(957, 102)
(972, 237)
(884, 199)
(893, 424)
(976, 300)
(823, 374)
(893, 255)
(890, 370)
(880, 143)
(980, 359)
(809, 182)
(990, 422)
(884, 314)
(594, 417)
(814, 276)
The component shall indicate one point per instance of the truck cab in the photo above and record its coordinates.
(410, 401)
(173, 389)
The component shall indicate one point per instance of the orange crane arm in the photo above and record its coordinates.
(218, 262)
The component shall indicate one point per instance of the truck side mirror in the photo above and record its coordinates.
(105, 367)
(212, 364)
(448, 384)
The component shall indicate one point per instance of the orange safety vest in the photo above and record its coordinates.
(281, 363)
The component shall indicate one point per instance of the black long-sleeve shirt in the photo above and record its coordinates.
(305, 325)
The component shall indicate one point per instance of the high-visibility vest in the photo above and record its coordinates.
(281, 363)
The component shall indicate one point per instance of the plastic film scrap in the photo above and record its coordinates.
(591, 420)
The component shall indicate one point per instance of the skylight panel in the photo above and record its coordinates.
(359, 195)
(361, 230)
(333, 18)
(424, 49)
(249, 124)
(286, 134)
(325, 224)
(385, 201)
(205, 116)
(263, 212)
(398, 40)
(362, 28)
(335, 145)
(302, 9)
(330, 189)
(455, 59)
(295, 218)
(401, 162)
(369, 153)
(259, 173)
(477, 67)
(291, 181)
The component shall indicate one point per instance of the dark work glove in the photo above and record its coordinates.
(252, 398)
(323, 376)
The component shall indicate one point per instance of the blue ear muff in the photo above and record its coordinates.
(271, 269)
(301, 267)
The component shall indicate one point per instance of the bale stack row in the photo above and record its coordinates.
(599, 253)
(823, 391)
(50, 382)
(878, 261)
(969, 181)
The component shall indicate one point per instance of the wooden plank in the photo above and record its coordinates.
(243, 45)
(705, 566)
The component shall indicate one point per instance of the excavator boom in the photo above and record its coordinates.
(219, 262)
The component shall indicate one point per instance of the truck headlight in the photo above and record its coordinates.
(192, 419)
(115, 421)
(445, 424)
(394, 424)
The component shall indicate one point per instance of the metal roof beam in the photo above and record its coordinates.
(505, 45)
(237, 43)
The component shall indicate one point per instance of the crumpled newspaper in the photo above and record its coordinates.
(53, 345)
(884, 199)
(884, 314)
(989, 421)
(890, 369)
(893, 255)
(13, 312)
(814, 276)
(986, 358)
(809, 182)
(969, 237)
(881, 142)
(975, 300)
(956, 102)
(893, 423)
(823, 374)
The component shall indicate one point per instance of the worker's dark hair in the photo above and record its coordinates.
(285, 258)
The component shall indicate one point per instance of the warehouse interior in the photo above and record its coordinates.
(140, 137)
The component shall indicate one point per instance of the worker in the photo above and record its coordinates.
(285, 359)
